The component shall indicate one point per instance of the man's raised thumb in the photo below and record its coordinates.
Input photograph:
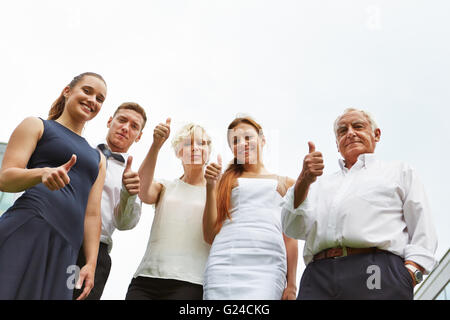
(311, 146)
(219, 160)
(129, 161)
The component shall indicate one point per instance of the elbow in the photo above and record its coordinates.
(4, 186)
(2, 182)
(146, 197)
(208, 237)
(208, 240)
(143, 197)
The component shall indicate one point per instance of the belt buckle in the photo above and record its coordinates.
(344, 253)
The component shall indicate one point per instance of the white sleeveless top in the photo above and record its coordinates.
(176, 249)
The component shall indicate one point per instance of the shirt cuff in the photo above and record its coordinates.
(289, 203)
(293, 221)
(125, 196)
(128, 210)
(421, 256)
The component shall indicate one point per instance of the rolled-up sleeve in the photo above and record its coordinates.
(294, 220)
(422, 234)
(127, 212)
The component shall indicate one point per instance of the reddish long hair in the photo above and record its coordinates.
(234, 171)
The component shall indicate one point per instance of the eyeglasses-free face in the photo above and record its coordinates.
(194, 149)
(85, 99)
(355, 136)
(246, 143)
(125, 128)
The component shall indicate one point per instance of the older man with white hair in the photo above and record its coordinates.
(368, 227)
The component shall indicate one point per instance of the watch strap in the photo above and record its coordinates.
(417, 273)
(412, 267)
(415, 265)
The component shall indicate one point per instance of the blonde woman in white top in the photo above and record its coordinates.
(173, 264)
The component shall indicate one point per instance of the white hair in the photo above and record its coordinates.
(367, 114)
(187, 131)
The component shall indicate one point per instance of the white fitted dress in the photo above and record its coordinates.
(247, 259)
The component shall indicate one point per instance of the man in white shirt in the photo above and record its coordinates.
(368, 227)
(121, 206)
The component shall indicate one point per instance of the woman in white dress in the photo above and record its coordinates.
(250, 257)
(173, 264)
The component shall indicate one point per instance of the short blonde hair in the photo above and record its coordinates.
(369, 117)
(187, 131)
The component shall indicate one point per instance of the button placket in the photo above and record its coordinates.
(334, 234)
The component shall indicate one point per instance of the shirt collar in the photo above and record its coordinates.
(124, 154)
(364, 160)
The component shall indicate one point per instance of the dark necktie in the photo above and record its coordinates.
(108, 154)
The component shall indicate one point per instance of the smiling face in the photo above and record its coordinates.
(125, 128)
(194, 149)
(246, 143)
(84, 100)
(355, 136)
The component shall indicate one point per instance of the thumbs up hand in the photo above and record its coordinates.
(130, 179)
(213, 172)
(161, 133)
(312, 164)
(57, 178)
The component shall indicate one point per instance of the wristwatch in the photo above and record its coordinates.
(418, 275)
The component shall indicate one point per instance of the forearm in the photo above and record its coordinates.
(147, 171)
(210, 215)
(92, 230)
(292, 260)
(18, 179)
(300, 191)
(93, 218)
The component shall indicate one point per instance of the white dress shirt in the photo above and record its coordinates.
(119, 209)
(374, 204)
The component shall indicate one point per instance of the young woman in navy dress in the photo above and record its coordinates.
(62, 176)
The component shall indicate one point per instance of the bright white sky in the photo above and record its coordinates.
(293, 65)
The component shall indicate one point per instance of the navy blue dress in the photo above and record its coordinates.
(41, 234)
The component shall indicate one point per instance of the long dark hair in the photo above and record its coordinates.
(58, 106)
